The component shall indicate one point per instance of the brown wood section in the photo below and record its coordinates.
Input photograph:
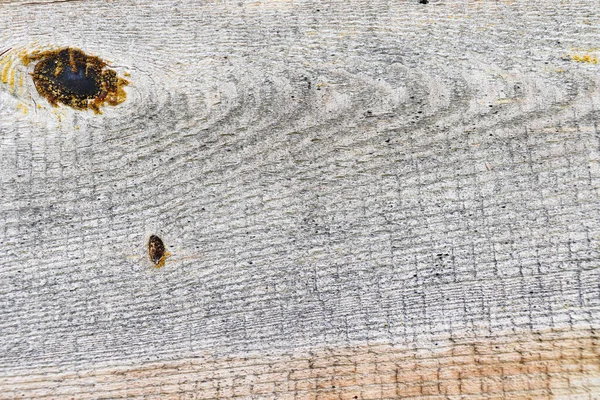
(542, 365)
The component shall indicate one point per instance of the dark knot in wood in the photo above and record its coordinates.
(71, 77)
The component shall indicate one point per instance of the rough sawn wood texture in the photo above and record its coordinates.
(361, 199)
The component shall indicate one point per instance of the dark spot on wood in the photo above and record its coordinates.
(423, 1)
(71, 77)
(156, 251)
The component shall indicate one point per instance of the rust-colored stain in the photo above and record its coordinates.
(73, 78)
(156, 251)
(545, 365)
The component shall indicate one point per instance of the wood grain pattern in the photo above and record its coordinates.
(560, 364)
(344, 175)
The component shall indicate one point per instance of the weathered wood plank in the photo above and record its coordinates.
(357, 180)
(550, 364)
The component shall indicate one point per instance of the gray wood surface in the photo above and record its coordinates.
(324, 174)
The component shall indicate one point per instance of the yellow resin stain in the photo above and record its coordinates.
(4, 76)
(11, 80)
(585, 58)
(507, 100)
(23, 108)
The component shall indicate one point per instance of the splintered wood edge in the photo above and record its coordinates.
(542, 365)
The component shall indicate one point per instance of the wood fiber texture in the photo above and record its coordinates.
(360, 199)
(558, 365)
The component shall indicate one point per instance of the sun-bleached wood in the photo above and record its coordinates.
(349, 191)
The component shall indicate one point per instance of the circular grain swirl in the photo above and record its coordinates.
(239, 134)
(221, 123)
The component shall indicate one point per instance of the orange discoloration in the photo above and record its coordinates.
(540, 365)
